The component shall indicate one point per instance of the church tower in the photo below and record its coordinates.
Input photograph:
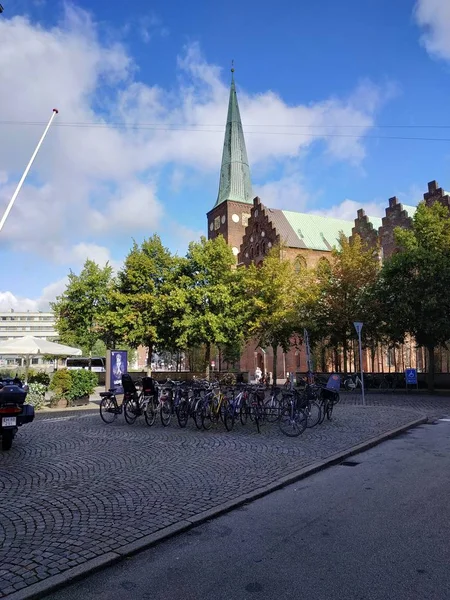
(230, 214)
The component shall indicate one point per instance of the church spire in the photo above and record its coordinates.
(235, 183)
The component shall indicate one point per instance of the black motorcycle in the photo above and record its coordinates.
(13, 410)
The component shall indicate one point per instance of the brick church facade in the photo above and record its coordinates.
(251, 229)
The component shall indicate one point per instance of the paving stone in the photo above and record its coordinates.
(76, 489)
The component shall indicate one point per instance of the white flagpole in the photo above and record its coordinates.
(25, 173)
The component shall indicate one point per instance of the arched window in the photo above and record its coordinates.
(263, 247)
(300, 263)
(257, 249)
(251, 253)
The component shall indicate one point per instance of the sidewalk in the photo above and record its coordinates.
(78, 494)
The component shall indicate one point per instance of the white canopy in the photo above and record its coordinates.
(32, 346)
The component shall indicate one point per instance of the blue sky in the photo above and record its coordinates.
(346, 75)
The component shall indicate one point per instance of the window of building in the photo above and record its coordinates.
(300, 263)
(257, 249)
(263, 247)
(217, 223)
(251, 253)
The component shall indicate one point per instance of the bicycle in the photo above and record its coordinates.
(109, 407)
(294, 420)
(351, 382)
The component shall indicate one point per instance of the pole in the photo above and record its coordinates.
(361, 368)
(25, 173)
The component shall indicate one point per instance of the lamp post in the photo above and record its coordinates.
(25, 173)
(358, 327)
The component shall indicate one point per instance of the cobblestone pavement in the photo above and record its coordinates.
(73, 488)
(430, 405)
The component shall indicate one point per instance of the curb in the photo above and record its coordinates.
(52, 584)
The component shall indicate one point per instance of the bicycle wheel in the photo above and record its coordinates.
(197, 413)
(150, 412)
(183, 413)
(293, 422)
(243, 412)
(207, 415)
(323, 408)
(313, 412)
(330, 407)
(230, 415)
(108, 410)
(131, 409)
(166, 412)
(272, 410)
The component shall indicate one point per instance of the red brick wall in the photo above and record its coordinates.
(222, 222)
(395, 216)
(436, 194)
(259, 236)
(365, 229)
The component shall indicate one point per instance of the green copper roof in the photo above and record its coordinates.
(313, 231)
(235, 183)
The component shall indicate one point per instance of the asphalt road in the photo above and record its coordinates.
(377, 530)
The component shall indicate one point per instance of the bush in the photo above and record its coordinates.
(40, 377)
(83, 383)
(61, 382)
(36, 395)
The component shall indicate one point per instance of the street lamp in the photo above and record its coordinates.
(358, 327)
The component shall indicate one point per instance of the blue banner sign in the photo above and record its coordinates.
(411, 376)
(119, 361)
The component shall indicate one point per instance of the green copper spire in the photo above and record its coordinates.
(235, 183)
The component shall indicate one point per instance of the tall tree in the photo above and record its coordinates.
(141, 298)
(343, 281)
(273, 290)
(414, 283)
(214, 305)
(78, 310)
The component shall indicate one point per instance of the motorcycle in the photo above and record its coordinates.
(13, 411)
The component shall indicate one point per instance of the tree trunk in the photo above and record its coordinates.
(207, 359)
(372, 357)
(149, 358)
(323, 358)
(274, 366)
(337, 366)
(344, 351)
(431, 368)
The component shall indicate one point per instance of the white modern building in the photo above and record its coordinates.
(14, 324)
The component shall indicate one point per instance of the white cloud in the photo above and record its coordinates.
(102, 181)
(287, 193)
(9, 301)
(434, 17)
(134, 208)
(347, 209)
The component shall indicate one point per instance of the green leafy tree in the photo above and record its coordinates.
(274, 292)
(79, 309)
(352, 269)
(414, 283)
(211, 290)
(144, 296)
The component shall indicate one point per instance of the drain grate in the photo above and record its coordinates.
(349, 463)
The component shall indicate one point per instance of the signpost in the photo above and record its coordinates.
(309, 363)
(411, 378)
(358, 327)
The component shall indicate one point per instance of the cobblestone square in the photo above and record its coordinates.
(73, 488)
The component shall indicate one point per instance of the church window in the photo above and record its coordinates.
(223, 219)
(257, 249)
(217, 223)
(245, 218)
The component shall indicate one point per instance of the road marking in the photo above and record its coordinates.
(55, 419)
